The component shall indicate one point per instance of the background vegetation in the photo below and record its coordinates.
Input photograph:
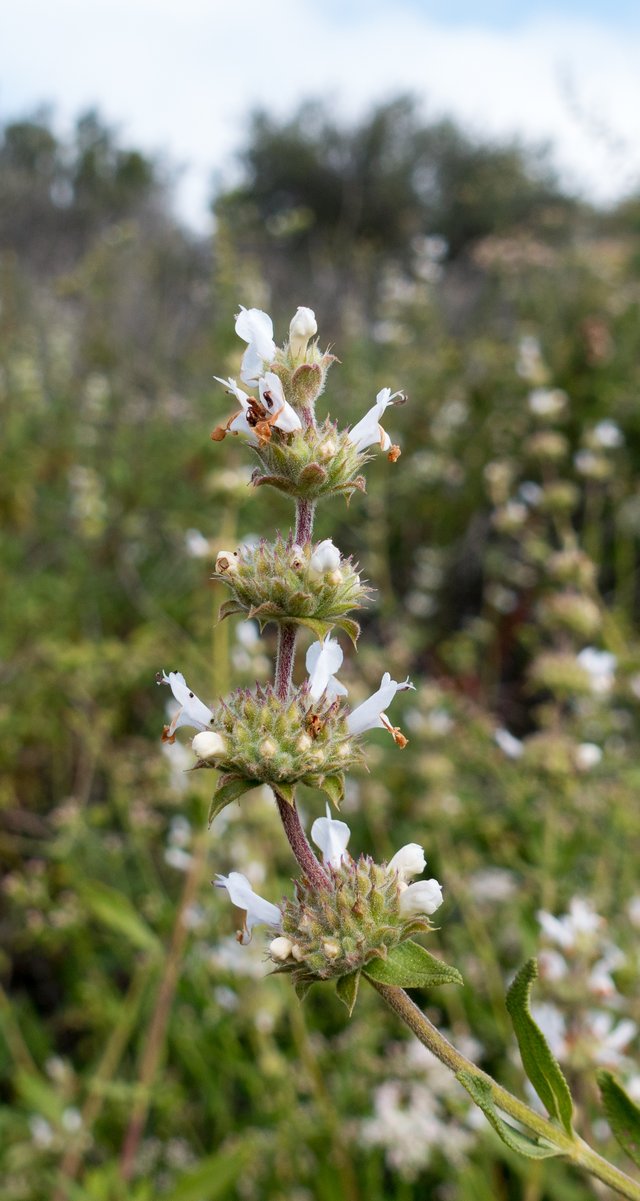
(142, 1053)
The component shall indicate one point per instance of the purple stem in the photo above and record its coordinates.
(299, 844)
(305, 510)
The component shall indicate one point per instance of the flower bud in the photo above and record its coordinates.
(296, 952)
(327, 449)
(303, 326)
(280, 948)
(268, 748)
(296, 557)
(331, 948)
(326, 557)
(304, 743)
(227, 560)
(425, 896)
(209, 746)
(407, 862)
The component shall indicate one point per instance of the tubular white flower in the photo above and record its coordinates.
(423, 897)
(239, 424)
(303, 326)
(257, 911)
(193, 711)
(255, 328)
(371, 713)
(326, 557)
(209, 745)
(322, 661)
(409, 861)
(368, 430)
(272, 397)
(331, 837)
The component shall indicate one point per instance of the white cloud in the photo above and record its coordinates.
(180, 75)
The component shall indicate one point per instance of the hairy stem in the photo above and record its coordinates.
(573, 1147)
(284, 671)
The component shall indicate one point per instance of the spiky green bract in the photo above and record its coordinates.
(337, 930)
(275, 582)
(303, 381)
(311, 463)
(281, 743)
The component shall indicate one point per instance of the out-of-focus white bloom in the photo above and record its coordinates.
(273, 400)
(551, 1021)
(552, 965)
(41, 1131)
(179, 760)
(607, 1039)
(197, 545)
(547, 402)
(192, 712)
(510, 746)
(177, 858)
(71, 1119)
(634, 911)
(587, 756)
(492, 884)
(607, 435)
(576, 928)
(332, 837)
(322, 661)
(408, 862)
(531, 493)
(280, 948)
(228, 956)
(423, 897)
(530, 364)
(370, 715)
(303, 326)
(247, 634)
(180, 832)
(368, 430)
(600, 667)
(209, 746)
(326, 557)
(257, 911)
(256, 328)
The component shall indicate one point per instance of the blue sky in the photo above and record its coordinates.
(178, 77)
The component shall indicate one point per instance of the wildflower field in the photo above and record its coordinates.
(493, 561)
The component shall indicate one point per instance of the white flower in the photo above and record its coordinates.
(608, 436)
(370, 715)
(280, 411)
(510, 746)
(322, 661)
(303, 326)
(332, 837)
(600, 667)
(193, 712)
(423, 897)
(579, 925)
(238, 424)
(368, 431)
(255, 328)
(587, 755)
(326, 557)
(280, 948)
(197, 545)
(547, 402)
(208, 745)
(407, 862)
(256, 910)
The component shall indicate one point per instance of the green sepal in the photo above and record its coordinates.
(276, 481)
(334, 788)
(347, 989)
(350, 627)
(228, 609)
(302, 987)
(538, 1060)
(286, 791)
(410, 966)
(481, 1093)
(623, 1115)
(230, 788)
(311, 475)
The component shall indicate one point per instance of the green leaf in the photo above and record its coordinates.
(350, 627)
(229, 608)
(276, 481)
(539, 1063)
(347, 989)
(286, 790)
(622, 1113)
(116, 911)
(315, 624)
(231, 788)
(302, 987)
(215, 1176)
(410, 966)
(39, 1096)
(481, 1093)
(334, 788)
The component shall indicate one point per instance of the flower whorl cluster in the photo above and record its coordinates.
(347, 914)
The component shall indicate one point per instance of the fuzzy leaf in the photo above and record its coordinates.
(410, 966)
(316, 625)
(334, 788)
(623, 1115)
(480, 1092)
(539, 1063)
(347, 989)
(231, 788)
(350, 627)
(229, 608)
(276, 481)
(302, 987)
(286, 791)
